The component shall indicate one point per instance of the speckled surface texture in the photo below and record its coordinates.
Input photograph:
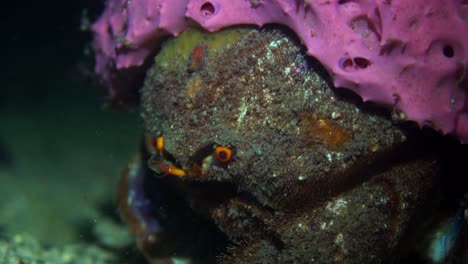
(316, 176)
(268, 112)
(371, 218)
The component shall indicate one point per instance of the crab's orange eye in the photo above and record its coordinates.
(223, 154)
(159, 144)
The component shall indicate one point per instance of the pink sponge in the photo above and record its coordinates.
(409, 55)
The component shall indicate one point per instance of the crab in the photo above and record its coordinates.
(262, 164)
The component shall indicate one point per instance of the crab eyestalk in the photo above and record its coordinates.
(162, 162)
(158, 161)
(162, 168)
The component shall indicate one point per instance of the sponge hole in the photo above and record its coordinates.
(347, 64)
(362, 62)
(448, 51)
(207, 9)
(354, 64)
(444, 50)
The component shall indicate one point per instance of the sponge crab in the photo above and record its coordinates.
(243, 167)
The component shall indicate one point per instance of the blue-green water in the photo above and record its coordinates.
(61, 152)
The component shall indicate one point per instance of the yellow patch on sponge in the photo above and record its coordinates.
(176, 51)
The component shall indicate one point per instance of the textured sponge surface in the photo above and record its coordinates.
(411, 56)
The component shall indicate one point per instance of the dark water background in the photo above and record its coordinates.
(60, 152)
